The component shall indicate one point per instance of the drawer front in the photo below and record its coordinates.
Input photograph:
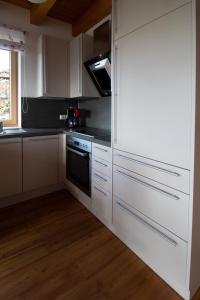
(102, 204)
(102, 166)
(164, 205)
(176, 178)
(161, 250)
(101, 180)
(102, 152)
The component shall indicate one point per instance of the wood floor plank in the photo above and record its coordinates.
(53, 248)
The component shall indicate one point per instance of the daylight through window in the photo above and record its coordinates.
(8, 87)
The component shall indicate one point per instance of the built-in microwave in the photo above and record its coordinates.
(99, 69)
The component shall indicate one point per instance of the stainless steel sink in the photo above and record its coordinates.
(2, 132)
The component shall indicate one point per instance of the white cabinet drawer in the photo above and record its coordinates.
(102, 166)
(102, 204)
(161, 250)
(165, 206)
(102, 152)
(101, 180)
(176, 178)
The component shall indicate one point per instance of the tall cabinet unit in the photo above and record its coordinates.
(154, 181)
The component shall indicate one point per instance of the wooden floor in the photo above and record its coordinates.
(53, 248)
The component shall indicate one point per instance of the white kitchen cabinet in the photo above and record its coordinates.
(81, 50)
(40, 162)
(130, 15)
(153, 90)
(176, 178)
(52, 64)
(102, 183)
(10, 166)
(163, 251)
(156, 105)
(164, 205)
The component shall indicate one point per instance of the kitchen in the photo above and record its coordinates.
(99, 191)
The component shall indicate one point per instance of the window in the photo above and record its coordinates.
(8, 87)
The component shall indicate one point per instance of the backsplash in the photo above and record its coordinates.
(98, 112)
(44, 113)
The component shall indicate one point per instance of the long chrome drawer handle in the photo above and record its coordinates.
(150, 166)
(148, 185)
(100, 177)
(96, 188)
(99, 162)
(40, 139)
(163, 235)
(104, 150)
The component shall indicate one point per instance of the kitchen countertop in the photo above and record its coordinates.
(102, 137)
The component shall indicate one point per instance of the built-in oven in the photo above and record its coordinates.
(78, 163)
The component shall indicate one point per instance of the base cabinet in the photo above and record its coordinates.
(161, 250)
(40, 162)
(102, 183)
(11, 167)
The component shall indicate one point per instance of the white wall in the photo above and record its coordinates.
(19, 17)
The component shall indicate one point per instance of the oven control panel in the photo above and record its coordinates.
(79, 143)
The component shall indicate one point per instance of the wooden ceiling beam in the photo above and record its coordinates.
(39, 11)
(97, 11)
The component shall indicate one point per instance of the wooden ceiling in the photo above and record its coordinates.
(82, 14)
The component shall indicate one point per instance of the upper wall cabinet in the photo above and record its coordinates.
(132, 14)
(52, 59)
(81, 50)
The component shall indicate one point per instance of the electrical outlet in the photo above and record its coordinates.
(62, 117)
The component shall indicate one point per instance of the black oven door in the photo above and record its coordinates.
(78, 168)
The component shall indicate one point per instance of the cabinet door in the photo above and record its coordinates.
(40, 162)
(75, 67)
(11, 167)
(52, 67)
(132, 14)
(102, 204)
(153, 84)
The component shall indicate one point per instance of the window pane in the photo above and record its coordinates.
(5, 95)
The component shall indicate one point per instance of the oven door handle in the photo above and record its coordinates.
(77, 152)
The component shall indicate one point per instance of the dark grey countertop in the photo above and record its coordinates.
(23, 132)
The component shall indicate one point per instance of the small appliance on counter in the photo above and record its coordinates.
(73, 117)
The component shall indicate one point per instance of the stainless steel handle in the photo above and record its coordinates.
(100, 177)
(148, 185)
(77, 152)
(44, 66)
(80, 65)
(99, 162)
(150, 165)
(116, 75)
(103, 150)
(38, 139)
(115, 17)
(163, 235)
(99, 190)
